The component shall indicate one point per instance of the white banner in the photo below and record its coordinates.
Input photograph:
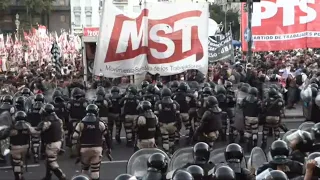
(162, 38)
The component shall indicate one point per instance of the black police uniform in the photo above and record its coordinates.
(89, 133)
(221, 96)
(7, 105)
(146, 125)
(51, 129)
(114, 112)
(34, 118)
(20, 104)
(206, 92)
(168, 112)
(19, 143)
(150, 95)
(251, 107)
(130, 113)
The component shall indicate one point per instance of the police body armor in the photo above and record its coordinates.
(215, 122)
(6, 107)
(148, 130)
(130, 105)
(274, 107)
(201, 105)
(115, 108)
(223, 104)
(60, 109)
(181, 98)
(34, 116)
(91, 135)
(250, 106)
(54, 133)
(103, 109)
(22, 138)
(167, 111)
(152, 98)
(78, 108)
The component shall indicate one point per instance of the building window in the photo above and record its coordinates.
(77, 19)
(62, 2)
(63, 18)
(88, 21)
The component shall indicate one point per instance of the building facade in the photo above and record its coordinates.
(227, 6)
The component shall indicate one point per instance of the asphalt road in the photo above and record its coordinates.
(109, 170)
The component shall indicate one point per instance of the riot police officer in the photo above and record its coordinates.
(130, 112)
(201, 155)
(174, 86)
(34, 118)
(205, 93)
(76, 107)
(221, 95)
(103, 105)
(234, 156)
(211, 122)
(157, 167)
(7, 105)
(196, 171)
(251, 107)
(168, 112)
(19, 143)
(146, 125)
(89, 133)
(183, 98)
(182, 175)
(26, 92)
(125, 177)
(150, 95)
(114, 113)
(272, 110)
(20, 104)
(51, 129)
(224, 173)
(144, 86)
(231, 102)
(60, 109)
(279, 151)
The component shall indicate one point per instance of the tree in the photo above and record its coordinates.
(228, 18)
(4, 4)
(37, 7)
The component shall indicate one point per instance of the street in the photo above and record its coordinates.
(109, 170)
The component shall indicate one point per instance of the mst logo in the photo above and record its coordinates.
(163, 41)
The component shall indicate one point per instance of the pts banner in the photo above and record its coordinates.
(283, 25)
(163, 38)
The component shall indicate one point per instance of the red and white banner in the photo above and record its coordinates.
(91, 31)
(162, 38)
(283, 25)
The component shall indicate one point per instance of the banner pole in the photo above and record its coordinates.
(250, 9)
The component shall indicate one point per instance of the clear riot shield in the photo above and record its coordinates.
(257, 159)
(217, 157)
(265, 175)
(137, 164)
(306, 126)
(180, 158)
(28, 102)
(5, 123)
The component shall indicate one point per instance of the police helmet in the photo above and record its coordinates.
(151, 88)
(224, 173)
(77, 92)
(272, 92)
(115, 89)
(166, 92)
(92, 109)
(175, 84)
(183, 86)
(244, 89)
(144, 84)
(100, 91)
(20, 100)
(315, 131)
(80, 177)
(253, 91)
(314, 92)
(306, 144)
(275, 87)
(233, 151)
(158, 161)
(212, 85)
(277, 175)
(182, 175)
(207, 90)
(125, 177)
(201, 152)
(145, 105)
(7, 99)
(20, 116)
(314, 80)
(228, 84)
(59, 89)
(39, 98)
(132, 90)
(196, 171)
(56, 93)
(159, 85)
(48, 109)
(211, 101)
(314, 85)
(206, 85)
(221, 90)
(279, 151)
(245, 85)
(25, 91)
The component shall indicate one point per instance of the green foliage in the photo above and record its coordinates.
(217, 14)
(4, 4)
(38, 6)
